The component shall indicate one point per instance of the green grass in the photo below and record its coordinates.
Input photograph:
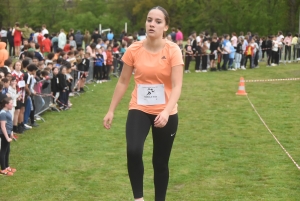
(222, 150)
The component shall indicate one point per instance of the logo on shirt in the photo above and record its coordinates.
(163, 57)
(150, 91)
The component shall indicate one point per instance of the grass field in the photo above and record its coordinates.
(222, 150)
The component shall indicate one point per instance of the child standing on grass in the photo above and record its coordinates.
(288, 47)
(238, 54)
(213, 49)
(204, 52)
(269, 50)
(62, 87)
(275, 52)
(220, 50)
(231, 56)
(55, 86)
(99, 61)
(6, 135)
(188, 56)
(12, 91)
(249, 52)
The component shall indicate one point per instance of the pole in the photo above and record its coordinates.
(299, 21)
(126, 27)
(100, 28)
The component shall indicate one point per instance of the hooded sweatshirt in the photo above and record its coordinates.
(3, 53)
(78, 37)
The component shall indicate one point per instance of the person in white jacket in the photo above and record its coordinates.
(12, 91)
(62, 39)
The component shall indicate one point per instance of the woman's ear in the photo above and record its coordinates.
(166, 28)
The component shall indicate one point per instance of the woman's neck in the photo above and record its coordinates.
(154, 45)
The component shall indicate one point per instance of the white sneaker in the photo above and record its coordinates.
(52, 105)
(197, 71)
(71, 94)
(204, 71)
(289, 62)
(185, 71)
(273, 64)
(243, 68)
(27, 126)
(189, 71)
(233, 69)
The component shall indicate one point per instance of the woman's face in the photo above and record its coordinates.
(18, 66)
(55, 71)
(156, 24)
(64, 71)
(13, 83)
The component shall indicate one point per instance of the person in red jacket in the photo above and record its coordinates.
(46, 45)
(249, 54)
(109, 62)
(67, 47)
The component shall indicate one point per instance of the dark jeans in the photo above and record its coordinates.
(197, 63)
(63, 98)
(275, 57)
(204, 62)
(287, 52)
(243, 60)
(137, 129)
(11, 49)
(255, 62)
(27, 110)
(269, 55)
(225, 61)
(4, 152)
(248, 57)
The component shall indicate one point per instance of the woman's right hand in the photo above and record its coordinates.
(108, 120)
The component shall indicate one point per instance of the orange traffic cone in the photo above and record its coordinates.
(242, 90)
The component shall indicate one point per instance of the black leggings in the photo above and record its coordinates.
(188, 59)
(4, 152)
(137, 128)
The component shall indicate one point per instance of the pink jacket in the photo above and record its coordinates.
(179, 36)
(288, 40)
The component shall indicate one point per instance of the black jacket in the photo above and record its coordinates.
(62, 82)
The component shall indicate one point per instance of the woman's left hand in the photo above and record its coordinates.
(162, 119)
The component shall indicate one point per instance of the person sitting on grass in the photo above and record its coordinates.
(6, 135)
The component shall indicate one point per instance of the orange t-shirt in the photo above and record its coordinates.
(152, 69)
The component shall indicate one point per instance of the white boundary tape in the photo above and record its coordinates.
(287, 153)
(273, 80)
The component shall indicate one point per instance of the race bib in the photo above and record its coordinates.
(151, 94)
(21, 84)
